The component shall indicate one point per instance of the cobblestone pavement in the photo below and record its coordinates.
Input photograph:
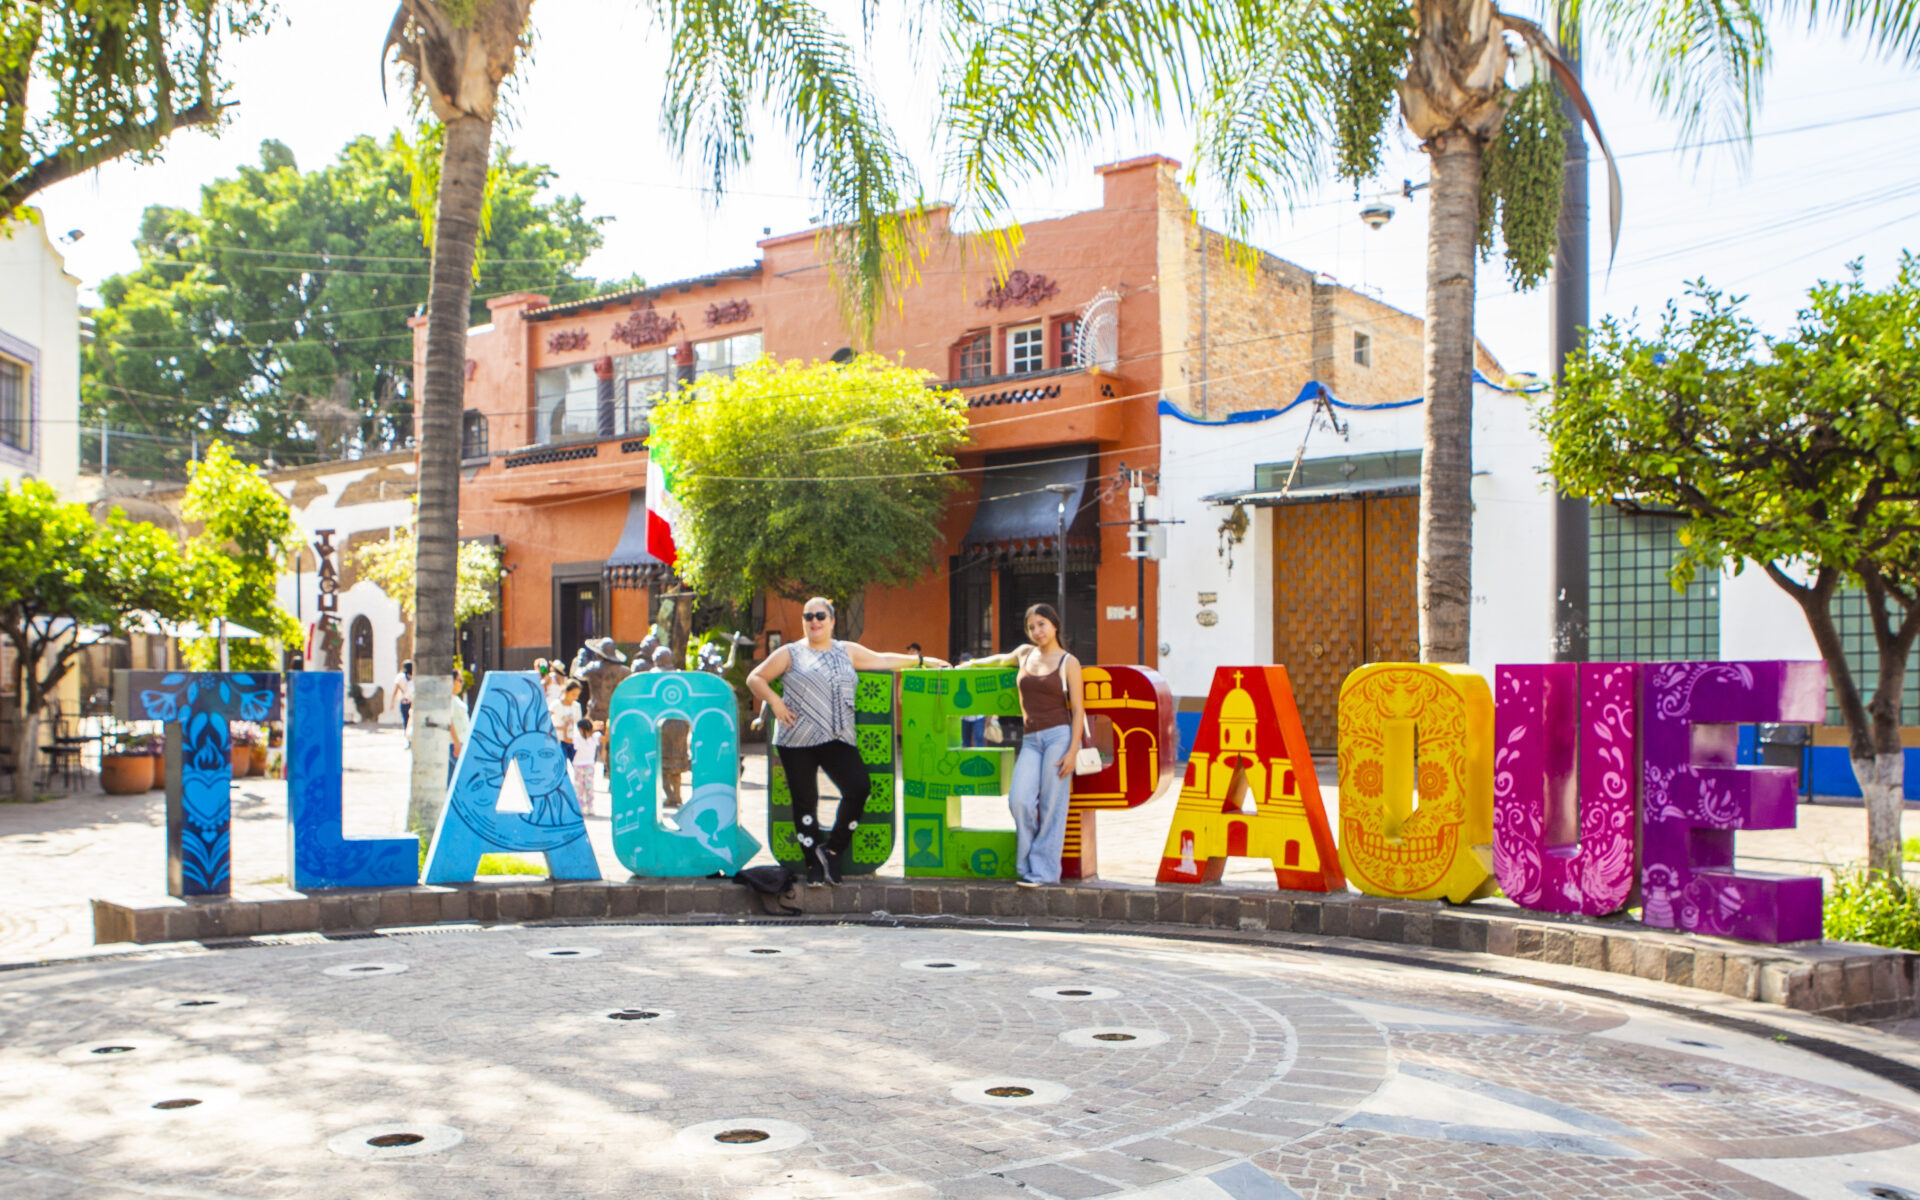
(791, 1061)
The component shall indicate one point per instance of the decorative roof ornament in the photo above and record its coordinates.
(646, 327)
(1019, 290)
(1096, 343)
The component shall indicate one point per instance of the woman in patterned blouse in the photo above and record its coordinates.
(816, 731)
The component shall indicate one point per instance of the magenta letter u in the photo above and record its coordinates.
(1566, 742)
(1694, 798)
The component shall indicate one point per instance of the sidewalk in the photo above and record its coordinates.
(58, 855)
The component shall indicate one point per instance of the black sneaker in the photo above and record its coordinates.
(816, 874)
(829, 869)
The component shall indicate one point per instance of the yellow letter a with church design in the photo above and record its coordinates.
(1244, 797)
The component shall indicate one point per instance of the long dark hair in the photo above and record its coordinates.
(1047, 611)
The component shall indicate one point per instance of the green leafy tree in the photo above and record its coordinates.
(1801, 456)
(1285, 89)
(64, 577)
(274, 313)
(249, 525)
(856, 504)
(724, 59)
(389, 564)
(83, 82)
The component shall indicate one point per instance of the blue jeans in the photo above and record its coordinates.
(1039, 802)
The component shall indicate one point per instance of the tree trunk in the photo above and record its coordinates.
(1445, 580)
(1882, 784)
(456, 233)
(1883, 777)
(26, 729)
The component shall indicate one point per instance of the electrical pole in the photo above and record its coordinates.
(1140, 547)
(1062, 491)
(1571, 514)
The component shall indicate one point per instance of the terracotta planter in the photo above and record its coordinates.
(257, 760)
(242, 760)
(126, 774)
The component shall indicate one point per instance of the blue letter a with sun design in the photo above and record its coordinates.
(703, 835)
(512, 756)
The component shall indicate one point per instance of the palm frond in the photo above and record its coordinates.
(1702, 61)
(1266, 120)
(727, 56)
(1892, 25)
(1041, 78)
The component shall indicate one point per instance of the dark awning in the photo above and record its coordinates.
(1340, 476)
(630, 565)
(1019, 516)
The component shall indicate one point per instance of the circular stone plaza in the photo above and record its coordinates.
(889, 1058)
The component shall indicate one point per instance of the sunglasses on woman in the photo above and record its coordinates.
(816, 616)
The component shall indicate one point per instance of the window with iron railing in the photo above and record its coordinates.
(473, 434)
(1066, 334)
(15, 419)
(973, 356)
(568, 398)
(1026, 350)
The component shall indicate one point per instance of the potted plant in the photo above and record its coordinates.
(128, 764)
(246, 736)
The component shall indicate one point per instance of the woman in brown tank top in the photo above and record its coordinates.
(1054, 715)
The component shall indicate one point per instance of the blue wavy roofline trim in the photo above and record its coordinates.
(1314, 390)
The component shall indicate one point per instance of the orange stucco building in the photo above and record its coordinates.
(1063, 361)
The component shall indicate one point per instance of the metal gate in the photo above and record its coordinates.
(1343, 595)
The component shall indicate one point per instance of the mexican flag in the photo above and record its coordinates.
(663, 508)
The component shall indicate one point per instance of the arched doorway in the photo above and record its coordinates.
(360, 652)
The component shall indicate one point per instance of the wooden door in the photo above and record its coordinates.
(1318, 612)
(1393, 545)
(1343, 595)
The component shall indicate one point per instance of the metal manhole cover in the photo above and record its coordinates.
(1074, 992)
(649, 1015)
(366, 970)
(394, 1139)
(115, 1049)
(740, 1135)
(1114, 1037)
(565, 952)
(765, 951)
(1000, 1091)
(940, 966)
(199, 1004)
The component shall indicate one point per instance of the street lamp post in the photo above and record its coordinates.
(1061, 490)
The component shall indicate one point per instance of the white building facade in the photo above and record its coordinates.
(39, 359)
(1321, 580)
(356, 504)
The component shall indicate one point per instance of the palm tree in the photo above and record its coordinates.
(727, 57)
(457, 55)
(1284, 88)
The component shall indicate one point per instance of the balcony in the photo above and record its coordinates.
(1046, 408)
(572, 469)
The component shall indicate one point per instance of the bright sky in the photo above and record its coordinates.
(1829, 176)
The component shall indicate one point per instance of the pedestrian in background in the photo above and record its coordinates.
(1053, 714)
(403, 692)
(586, 761)
(567, 717)
(816, 730)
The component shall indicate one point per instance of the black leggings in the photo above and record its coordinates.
(842, 764)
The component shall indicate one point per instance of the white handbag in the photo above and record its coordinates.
(1086, 760)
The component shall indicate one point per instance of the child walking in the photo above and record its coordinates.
(586, 758)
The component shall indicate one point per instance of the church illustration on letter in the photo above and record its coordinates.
(1243, 797)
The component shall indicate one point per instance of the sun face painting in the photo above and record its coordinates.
(512, 748)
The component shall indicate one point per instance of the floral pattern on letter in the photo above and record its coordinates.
(1564, 733)
(1695, 797)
